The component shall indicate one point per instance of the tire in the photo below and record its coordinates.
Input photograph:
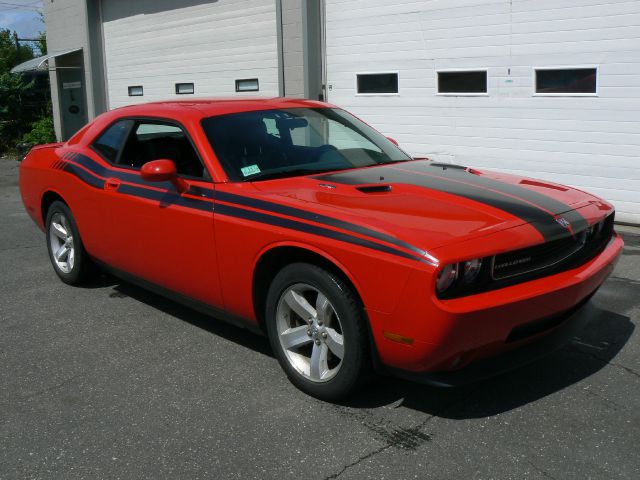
(66, 251)
(308, 349)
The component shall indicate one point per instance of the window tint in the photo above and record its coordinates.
(377, 83)
(157, 140)
(568, 80)
(462, 82)
(109, 142)
(275, 143)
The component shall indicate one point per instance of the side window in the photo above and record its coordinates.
(150, 140)
(108, 144)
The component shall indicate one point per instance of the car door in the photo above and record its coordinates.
(154, 232)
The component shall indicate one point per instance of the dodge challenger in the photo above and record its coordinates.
(296, 219)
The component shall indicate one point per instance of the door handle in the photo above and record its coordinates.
(111, 183)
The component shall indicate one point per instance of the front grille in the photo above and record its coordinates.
(534, 262)
(580, 246)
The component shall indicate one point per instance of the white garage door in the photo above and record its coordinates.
(157, 44)
(588, 140)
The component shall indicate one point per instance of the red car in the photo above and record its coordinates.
(296, 219)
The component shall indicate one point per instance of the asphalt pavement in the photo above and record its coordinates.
(111, 381)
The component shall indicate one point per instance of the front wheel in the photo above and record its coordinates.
(317, 330)
(66, 251)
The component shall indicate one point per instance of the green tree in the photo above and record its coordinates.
(11, 51)
(14, 122)
(42, 43)
(25, 111)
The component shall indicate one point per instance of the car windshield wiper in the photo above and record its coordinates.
(287, 173)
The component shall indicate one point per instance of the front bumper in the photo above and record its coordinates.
(571, 323)
(481, 335)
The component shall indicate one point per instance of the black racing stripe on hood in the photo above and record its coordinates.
(537, 217)
(556, 207)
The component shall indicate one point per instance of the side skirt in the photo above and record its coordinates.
(198, 306)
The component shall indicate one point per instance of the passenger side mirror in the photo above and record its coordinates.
(394, 141)
(163, 171)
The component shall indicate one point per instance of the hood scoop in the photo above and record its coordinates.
(374, 188)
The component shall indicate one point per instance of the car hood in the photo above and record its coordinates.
(430, 205)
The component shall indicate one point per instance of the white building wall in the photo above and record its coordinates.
(592, 143)
(292, 41)
(158, 43)
(66, 28)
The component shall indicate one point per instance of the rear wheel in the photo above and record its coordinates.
(66, 251)
(317, 330)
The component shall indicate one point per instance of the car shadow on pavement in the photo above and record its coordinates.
(596, 347)
(240, 336)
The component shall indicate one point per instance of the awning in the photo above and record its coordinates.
(36, 64)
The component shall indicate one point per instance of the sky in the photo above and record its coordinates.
(22, 16)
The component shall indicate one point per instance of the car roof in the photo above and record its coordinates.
(208, 107)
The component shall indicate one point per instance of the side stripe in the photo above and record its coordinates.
(314, 217)
(95, 175)
(236, 212)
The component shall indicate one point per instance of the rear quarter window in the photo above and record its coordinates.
(109, 143)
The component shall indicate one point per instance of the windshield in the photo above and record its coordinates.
(277, 143)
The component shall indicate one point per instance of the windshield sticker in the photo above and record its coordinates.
(250, 170)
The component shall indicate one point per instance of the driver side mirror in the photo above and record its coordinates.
(394, 141)
(163, 171)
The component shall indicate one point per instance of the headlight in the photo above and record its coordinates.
(446, 277)
(471, 269)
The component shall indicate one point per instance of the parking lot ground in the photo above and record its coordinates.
(111, 381)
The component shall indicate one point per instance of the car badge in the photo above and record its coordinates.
(564, 222)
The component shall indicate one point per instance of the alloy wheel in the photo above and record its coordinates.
(310, 332)
(61, 242)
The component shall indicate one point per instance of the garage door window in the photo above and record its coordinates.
(247, 85)
(462, 82)
(377, 83)
(136, 91)
(566, 81)
(184, 89)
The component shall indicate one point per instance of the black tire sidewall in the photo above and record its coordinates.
(80, 258)
(348, 308)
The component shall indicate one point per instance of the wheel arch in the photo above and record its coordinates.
(275, 257)
(48, 197)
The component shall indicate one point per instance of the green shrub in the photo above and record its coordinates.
(41, 132)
